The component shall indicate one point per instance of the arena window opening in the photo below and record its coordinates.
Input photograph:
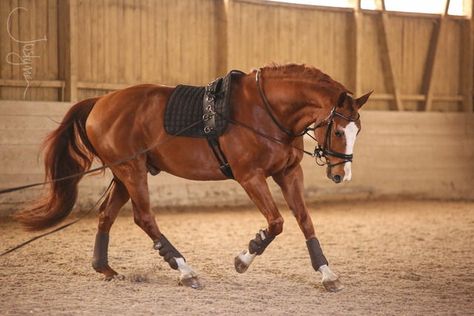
(456, 7)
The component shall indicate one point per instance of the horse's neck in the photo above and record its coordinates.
(288, 104)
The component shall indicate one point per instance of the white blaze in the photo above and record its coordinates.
(350, 131)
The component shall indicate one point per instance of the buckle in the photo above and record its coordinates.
(210, 109)
(207, 129)
(318, 152)
(207, 116)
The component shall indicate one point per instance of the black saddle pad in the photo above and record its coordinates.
(185, 107)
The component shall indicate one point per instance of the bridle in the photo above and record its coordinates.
(321, 153)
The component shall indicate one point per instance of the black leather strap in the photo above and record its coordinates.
(269, 108)
(209, 119)
(223, 163)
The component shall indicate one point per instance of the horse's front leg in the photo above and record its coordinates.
(258, 191)
(291, 183)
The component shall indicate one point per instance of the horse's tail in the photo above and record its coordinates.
(67, 151)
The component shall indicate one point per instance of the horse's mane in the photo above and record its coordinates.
(303, 72)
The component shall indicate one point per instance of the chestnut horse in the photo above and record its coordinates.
(272, 107)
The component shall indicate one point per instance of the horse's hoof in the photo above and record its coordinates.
(243, 260)
(333, 285)
(240, 266)
(117, 276)
(192, 282)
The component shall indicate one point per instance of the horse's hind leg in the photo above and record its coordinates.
(134, 174)
(291, 183)
(109, 209)
(257, 188)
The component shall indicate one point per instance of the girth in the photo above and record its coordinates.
(209, 120)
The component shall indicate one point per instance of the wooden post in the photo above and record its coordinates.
(387, 55)
(67, 34)
(221, 41)
(467, 65)
(358, 49)
(432, 57)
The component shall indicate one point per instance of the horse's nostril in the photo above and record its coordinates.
(336, 178)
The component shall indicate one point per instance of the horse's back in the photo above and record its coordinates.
(127, 117)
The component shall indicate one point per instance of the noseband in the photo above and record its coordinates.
(321, 153)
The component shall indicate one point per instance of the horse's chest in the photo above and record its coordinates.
(279, 160)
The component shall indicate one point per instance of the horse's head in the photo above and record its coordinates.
(337, 134)
(303, 95)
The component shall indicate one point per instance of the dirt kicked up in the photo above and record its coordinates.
(395, 258)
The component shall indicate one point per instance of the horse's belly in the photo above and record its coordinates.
(186, 157)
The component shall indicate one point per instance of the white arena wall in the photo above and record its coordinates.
(398, 154)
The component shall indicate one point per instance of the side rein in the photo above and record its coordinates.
(321, 153)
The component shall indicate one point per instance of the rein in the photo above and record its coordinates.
(321, 153)
(103, 167)
(80, 175)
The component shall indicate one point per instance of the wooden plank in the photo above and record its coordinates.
(415, 15)
(357, 38)
(94, 39)
(128, 57)
(424, 158)
(146, 43)
(15, 29)
(27, 30)
(432, 57)
(30, 122)
(289, 5)
(22, 136)
(68, 61)
(106, 17)
(43, 70)
(33, 108)
(33, 83)
(158, 24)
(135, 43)
(102, 36)
(388, 58)
(53, 58)
(103, 86)
(5, 45)
(416, 97)
(467, 65)
(417, 138)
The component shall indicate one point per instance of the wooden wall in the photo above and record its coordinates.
(146, 41)
(260, 34)
(37, 22)
(117, 43)
(110, 44)
(398, 154)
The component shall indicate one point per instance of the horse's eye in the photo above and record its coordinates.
(339, 133)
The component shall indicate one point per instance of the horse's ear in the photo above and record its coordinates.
(341, 99)
(363, 99)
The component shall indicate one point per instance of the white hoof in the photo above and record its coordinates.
(188, 277)
(243, 260)
(330, 280)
